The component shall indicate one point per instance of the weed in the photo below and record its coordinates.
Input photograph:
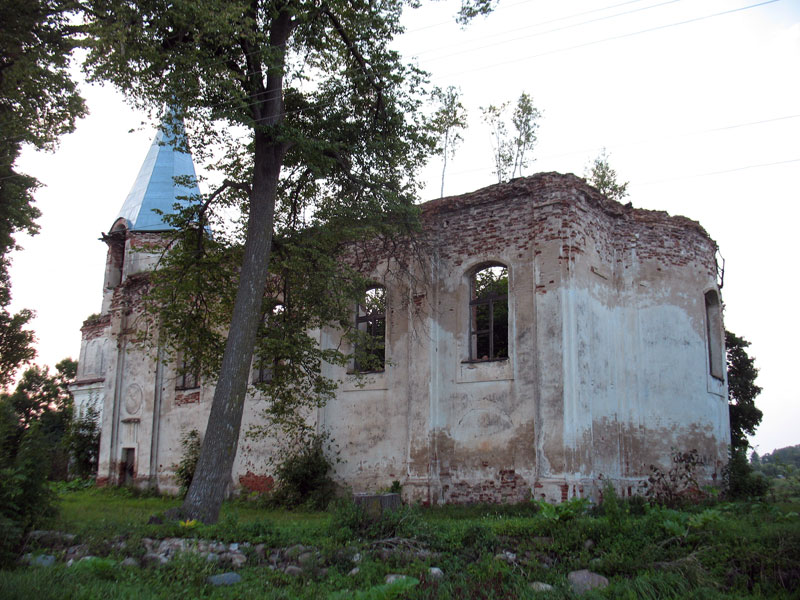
(184, 472)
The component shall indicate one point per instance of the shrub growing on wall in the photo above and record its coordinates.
(184, 472)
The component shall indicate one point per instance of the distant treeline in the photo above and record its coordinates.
(781, 462)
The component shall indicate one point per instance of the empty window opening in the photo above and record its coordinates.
(488, 314)
(188, 375)
(116, 254)
(127, 469)
(263, 365)
(370, 351)
(716, 351)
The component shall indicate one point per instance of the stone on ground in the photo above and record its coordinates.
(225, 579)
(541, 586)
(582, 581)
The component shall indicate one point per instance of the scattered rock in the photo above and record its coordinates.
(42, 560)
(435, 573)
(588, 544)
(506, 556)
(293, 570)
(392, 577)
(582, 581)
(305, 558)
(234, 547)
(130, 562)
(212, 557)
(354, 571)
(357, 557)
(224, 579)
(260, 551)
(76, 552)
(154, 560)
(237, 559)
(295, 551)
(540, 586)
(274, 558)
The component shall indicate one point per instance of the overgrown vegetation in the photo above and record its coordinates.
(40, 443)
(646, 550)
(303, 473)
(190, 445)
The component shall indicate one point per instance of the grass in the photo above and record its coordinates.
(726, 550)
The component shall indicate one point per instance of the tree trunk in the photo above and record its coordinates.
(213, 471)
(221, 439)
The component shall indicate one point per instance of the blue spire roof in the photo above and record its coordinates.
(155, 186)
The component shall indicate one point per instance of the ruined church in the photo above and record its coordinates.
(555, 340)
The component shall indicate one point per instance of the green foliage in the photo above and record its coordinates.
(25, 498)
(512, 150)
(604, 178)
(611, 505)
(566, 511)
(479, 540)
(448, 121)
(740, 480)
(83, 440)
(39, 102)
(731, 551)
(349, 522)
(190, 446)
(397, 589)
(790, 455)
(303, 474)
(742, 391)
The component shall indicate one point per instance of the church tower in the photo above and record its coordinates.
(134, 241)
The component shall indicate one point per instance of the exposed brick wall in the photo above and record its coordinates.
(256, 483)
(506, 488)
(550, 207)
(95, 328)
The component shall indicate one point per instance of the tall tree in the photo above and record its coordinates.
(39, 101)
(742, 391)
(512, 148)
(319, 122)
(604, 178)
(448, 121)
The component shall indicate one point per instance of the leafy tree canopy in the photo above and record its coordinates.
(512, 148)
(604, 178)
(312, 124)
(742, 391)
(39, 102)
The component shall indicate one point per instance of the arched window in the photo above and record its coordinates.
(716, 350)
(116, 253)
(263, 366)
(370, 351)
(488, 313)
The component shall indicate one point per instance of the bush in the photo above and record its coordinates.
(83, 440)
(184, 472)
(739, 479)
(303, 476)
(25, 497)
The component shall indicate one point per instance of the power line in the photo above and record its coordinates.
(612, 38)
(554, 30)
(722, 172)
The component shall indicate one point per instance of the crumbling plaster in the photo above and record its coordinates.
(607, 370)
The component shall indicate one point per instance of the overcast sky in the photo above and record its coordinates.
(697, 102)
